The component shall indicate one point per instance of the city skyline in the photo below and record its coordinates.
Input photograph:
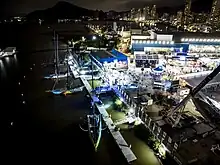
(24, 7)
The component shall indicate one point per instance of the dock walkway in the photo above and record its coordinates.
(127, 152)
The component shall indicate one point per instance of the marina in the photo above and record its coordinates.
(144, 107)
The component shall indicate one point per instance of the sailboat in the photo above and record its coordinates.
(57, 74)
(95, 128)
(94, 123)
(69, 90)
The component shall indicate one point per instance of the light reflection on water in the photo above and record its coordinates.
(2, 69)
(7, 62)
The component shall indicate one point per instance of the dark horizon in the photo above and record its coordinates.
(23, 7)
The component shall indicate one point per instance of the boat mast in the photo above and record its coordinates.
(57, 57)
(92, 79)
(67, 78)
(96, 122)
(55, 52)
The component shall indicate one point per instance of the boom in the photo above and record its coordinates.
(192, 94)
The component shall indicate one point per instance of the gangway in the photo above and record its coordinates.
(129, 120)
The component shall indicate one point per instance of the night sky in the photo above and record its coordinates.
(26, 6)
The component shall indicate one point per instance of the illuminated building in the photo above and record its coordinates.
(214, 15)
(133, 13)
(154, 11)
(143, 45)
(146, 12)
(139, 14)
(179, 17)
(200, 17)
(187, 11)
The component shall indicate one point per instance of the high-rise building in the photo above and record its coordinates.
(187, 11)
(214, 15)
(133, 12)
(154, 11)
(139, 13)
(179, 17)
(114, 26)
(146, 12)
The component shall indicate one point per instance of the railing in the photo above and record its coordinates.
(158, 133)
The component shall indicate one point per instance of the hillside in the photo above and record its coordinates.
(60, 10)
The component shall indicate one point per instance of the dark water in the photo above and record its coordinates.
(45, 128)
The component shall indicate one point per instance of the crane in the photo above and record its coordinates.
(173, 117)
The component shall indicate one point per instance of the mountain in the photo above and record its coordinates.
(60, 10)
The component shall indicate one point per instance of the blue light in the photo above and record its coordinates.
(50, 76)
(57, 91)
(133, 87)
(182, 58)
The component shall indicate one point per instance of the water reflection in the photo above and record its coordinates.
(2, 69)
(8, 63)
(15, 60)
(7, 60)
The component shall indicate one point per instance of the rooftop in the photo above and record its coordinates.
(102, 54)
(164, 32)
(188, 132)
(197, 149)
(179, 35)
